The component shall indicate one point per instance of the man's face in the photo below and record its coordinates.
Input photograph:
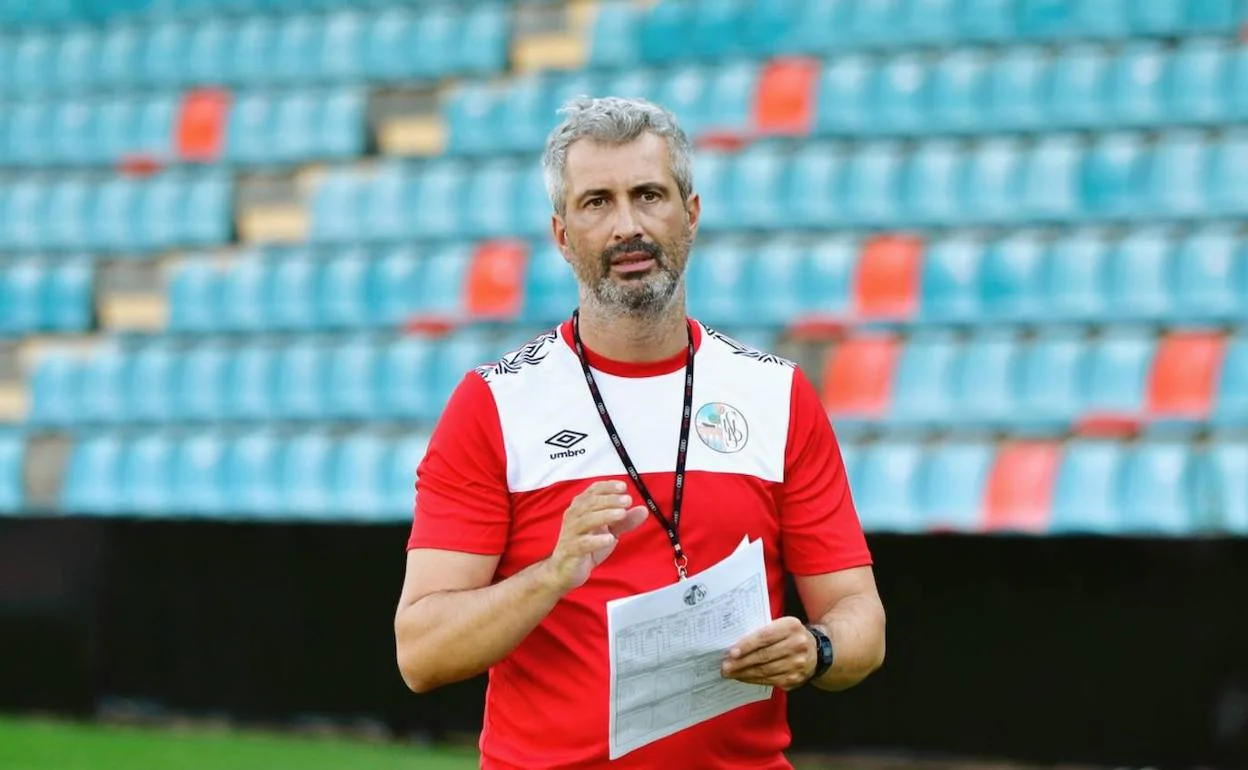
(626, 233)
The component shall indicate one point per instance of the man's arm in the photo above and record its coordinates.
(453, 622)
(846, 605)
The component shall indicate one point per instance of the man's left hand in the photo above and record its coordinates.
(781, 654)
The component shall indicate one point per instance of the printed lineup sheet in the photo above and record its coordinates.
(667, 646)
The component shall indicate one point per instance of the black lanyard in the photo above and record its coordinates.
(682, 451)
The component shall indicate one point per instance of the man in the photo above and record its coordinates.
(549, 487)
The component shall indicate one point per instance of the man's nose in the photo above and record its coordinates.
(627, 227)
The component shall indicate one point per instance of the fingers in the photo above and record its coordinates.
(632, 519)
(781, 654)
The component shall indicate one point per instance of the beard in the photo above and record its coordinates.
(645, 294)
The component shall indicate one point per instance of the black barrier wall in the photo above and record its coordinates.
(1107, 651)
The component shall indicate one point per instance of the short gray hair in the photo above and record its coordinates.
(613, 120)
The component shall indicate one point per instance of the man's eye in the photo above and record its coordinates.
(594, 203)
(650, 196)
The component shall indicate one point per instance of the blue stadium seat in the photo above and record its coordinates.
(202, 393)
(347, 292)
(28, 226)
(391, 38)
(77, 61)
(960, 89)
(198, 485)
(1196, 84)
(923, 383)
(901, 95)
(533, 204)
(54, 388)
(70, 296)
(1078, 92)
(247, 296)
(301, 386)
(717, 31)
(1136, 85)
(408, 452)
(397, 282)
(29, 134)
(1141, 276)
(154, 378)
(1116, 374)
(952, 481)
(92, 481)
(991, 185)
(1102, 19)
(1075, 277)
(782, 265)
(160, 214)
(33, 64)
(1228, 184)
(1011, 278)
(12, 452)
(879, 24)
(886, 493)
(1050, 180)
(1213, 16)
(195, 296)
(337, 207)
(253, 55)
(440, 202)
(770, 28)
(1085, 499)
(524, 107)
(730, 98)
(755, 184)
(115, 223)
(1229, 470)
(252, 383)
(719, 292)
(1156, 17)
(550, 289)
(23, 295)
(442, 278)
(932, 181)
(662, 32)
(1156, 490)
(825, 26)
(457, 354)
(685, 90)
(1113, 174)
(117, 124)
(437, 35)
(949, 288)
(155, 130)
(711, 182)
(493, 190)
(295, 129)
(343, 53)
(353, 390)
(483, 42)
(147, 468)
(72, 129)
(984, 380)
(1176, 178)
(1017, 85)
(208, 53)
(927, 22)
(297, 280)
(1231, 400)
(561, 86)
(1049, 383)
(384, 204)
(360, 474)
(251, 479)
(1211, 281)
(829, 276)
(407, 380)
(162, 56)
(873, 185)
(298, 49)
(104, 384)
(843, 106)
(614, 39)
(987, 21)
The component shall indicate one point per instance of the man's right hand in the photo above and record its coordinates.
(591, 527)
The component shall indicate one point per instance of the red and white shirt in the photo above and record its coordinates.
(520, 438)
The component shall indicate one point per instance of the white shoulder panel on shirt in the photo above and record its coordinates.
(553, 433)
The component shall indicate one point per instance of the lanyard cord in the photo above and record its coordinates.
(672, 528)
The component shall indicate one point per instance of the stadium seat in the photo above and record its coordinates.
(927, 22)
(305, 476)
(408, 452)
(1017, 95)
(1157, 481)
(119, 59)
(70, 296)
(960, 89)
(1136, 85)
(198, 484)
(774, 28)
(755, 182)
(1085, 498)
(922, 391)
(162, 56)
(1075, 277)
(1078, 91)
(951, 484)
(92, 482)
(103, 389)
(785, 98)
(1184, 375)
(1211, 280)
(247, 296)
(1228, 467)
(482, 44)
(719, 292)
(991, 188)
(343, 52)
(439, 198)
(1116, 376)
(397, 284)
(888, 278)
(252, 384)
(359, 477)
(1019, 494)
(813, 194)
(878, 24)
(873, 185)
(336, 207)
(1050, 383)
(844, 97)
(296, 284)
(152, 384)
(663, 32)
(1156, 17)
(950, 289)
(931, 183)
(391, 35)
(1051, 180)
(1102, 19)
(886, 495)
(77, 61)
(1112, 176)
(252, 472)
(717, 29)
(858, 378)
(442, 294)
(202, 393)
(208, 53)
(685, 91)
(295, 128)
(302, 380)
(783, 265)
(33, 64)
(458, 354)
(23, 295)
(983, 381)
(1011, 278)
(524, 108)
(1197, 82)
(253, 56)
(147, 469)
(492, 188)
(614, 37)
(472, 118)
(1231, 408)
(346, 297)
(1229, 176)
(68, 206)
(1175, 178)
(1141, 276)
(354, 378)
(711, 180)
(901, 95)
(987, 21)
(407, 380)
(195, 296)
(825, 27)
(12, 451)
(830, 278)
(493, 285)
(54, 390)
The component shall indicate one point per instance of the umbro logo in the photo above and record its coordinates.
(565, 440)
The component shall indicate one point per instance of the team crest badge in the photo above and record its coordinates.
(721, 427)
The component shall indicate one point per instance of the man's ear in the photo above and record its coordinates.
(559, 230)
(693, 210)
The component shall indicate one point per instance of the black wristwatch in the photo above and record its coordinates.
(823, 652)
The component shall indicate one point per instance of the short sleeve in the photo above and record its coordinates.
(819, 524)
(462, 500)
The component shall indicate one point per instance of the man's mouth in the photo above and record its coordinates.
(632, 262)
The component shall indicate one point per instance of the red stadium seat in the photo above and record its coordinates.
(886, 286)
(495, 285)
(785, 100)
(201, 125)
(858, 377)
(1020, 487)
(1184, 376)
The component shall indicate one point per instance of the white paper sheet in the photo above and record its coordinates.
(667, 646)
